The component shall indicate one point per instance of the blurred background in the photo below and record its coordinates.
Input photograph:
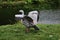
(8, 8)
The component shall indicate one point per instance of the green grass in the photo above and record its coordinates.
(17, 32)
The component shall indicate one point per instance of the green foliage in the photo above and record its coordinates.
(53, 3)
(8, 11)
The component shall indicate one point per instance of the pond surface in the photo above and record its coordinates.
(49, 17)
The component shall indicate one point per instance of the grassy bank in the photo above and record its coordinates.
(17, 32)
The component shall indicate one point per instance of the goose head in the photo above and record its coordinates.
(21, 14)
(21, 11)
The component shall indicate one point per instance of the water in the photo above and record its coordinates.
(49, 17)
